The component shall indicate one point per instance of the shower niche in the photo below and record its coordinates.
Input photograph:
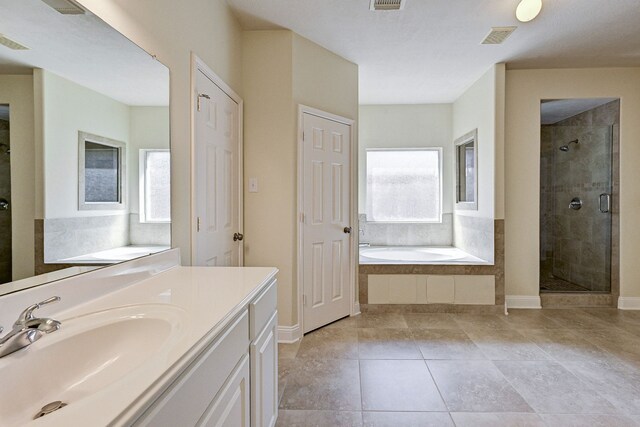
(578, 195)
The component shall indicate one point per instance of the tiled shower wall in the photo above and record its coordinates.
(5, 193)
(407, 234)
(576, 245)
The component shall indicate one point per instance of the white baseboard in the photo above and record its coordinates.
(523, 301)
(356, 309)
(289, 334)
(629, 303)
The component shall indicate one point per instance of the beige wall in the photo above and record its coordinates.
(17, 91)
(524, 90)
(280, 71)
(172, 30)
(270, 156)
(148, 128)
(328, 82)
(64, 112)
(407, 126)
(477, 109)
(324, 80)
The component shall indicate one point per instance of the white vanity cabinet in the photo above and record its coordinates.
(233, 382)
(264, 359)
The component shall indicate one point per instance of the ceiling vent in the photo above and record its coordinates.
(498, 35)
(387, 4)
(11, 44)
(66, 7)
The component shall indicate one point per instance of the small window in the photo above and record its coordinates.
(155, 187)
(101, 172)
(467, 171)
(404, 185)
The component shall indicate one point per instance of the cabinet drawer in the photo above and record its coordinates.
(262, 308)
(189, 396)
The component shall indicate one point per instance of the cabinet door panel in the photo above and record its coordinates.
(187, 398)
(264, 369)
(262, 308)
(231, 406)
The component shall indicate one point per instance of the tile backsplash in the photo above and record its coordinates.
(407, 234)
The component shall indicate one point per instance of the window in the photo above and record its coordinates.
(404, 185)
(101, 172)
(467, 171)
(155, 187)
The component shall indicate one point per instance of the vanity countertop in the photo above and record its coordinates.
(202, 301)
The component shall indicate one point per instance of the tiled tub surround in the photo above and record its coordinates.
(445, 273)
(574, 245)
(71, 237)
(63, 238)
(474, 235)
(431, 289)
(148, 233)
(407, 234)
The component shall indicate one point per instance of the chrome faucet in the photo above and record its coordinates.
(28, 329)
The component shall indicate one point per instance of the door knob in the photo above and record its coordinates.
(237, 236)
(4, 205)
(347, 230)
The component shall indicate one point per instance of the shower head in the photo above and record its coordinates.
(565, 148)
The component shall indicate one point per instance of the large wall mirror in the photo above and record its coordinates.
(84, 145)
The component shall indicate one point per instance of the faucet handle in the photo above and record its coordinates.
(27, 314)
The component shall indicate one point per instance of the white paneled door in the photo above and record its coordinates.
(217, 225)
(326, 228)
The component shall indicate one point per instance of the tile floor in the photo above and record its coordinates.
(553, 367)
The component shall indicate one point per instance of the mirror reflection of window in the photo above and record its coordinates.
(155, 188)
(101, 173)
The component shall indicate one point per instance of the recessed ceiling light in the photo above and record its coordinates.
(528, 10)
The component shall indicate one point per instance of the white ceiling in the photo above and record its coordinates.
(430, 52)
(83, 49)
(555, 110)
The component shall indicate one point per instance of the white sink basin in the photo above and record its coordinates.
(86, 355)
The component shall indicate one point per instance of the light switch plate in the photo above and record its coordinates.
(253, 185)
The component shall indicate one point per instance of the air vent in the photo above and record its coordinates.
(11, 44)
(498, 35)
(66, 7)
(387, 4)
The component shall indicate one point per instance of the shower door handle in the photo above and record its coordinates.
(605, 203)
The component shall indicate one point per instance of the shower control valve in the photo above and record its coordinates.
(575, 204)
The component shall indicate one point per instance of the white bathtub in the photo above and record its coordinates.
(111, 256)
(416, 255)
